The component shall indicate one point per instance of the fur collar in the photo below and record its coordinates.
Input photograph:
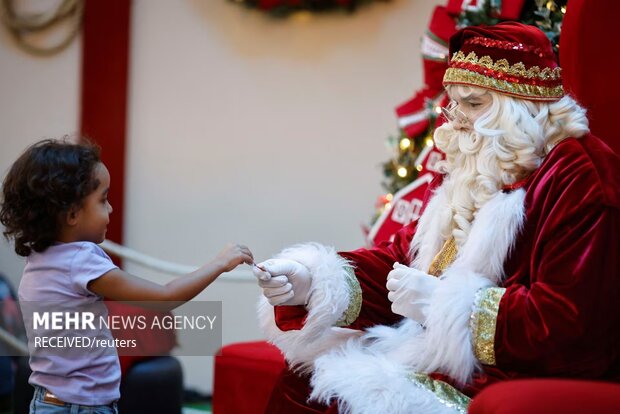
(493, 233)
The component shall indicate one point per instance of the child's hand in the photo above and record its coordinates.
(232, 256)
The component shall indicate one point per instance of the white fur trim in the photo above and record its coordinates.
(329, 298)
(479, 264)
(427, 239)
(448, 341)
(493, 234)
(445, 345)
(364, 382)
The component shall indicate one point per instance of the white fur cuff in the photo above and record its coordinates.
(330, 294)
(448, 342)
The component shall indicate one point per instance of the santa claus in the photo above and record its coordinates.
(512, 270)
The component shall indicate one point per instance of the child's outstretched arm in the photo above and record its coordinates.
(122, 286)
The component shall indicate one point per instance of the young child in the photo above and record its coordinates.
(56, 210)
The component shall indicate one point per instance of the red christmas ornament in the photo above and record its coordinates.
(406, 205)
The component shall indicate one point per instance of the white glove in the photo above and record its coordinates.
(284, 282)
(410, 291)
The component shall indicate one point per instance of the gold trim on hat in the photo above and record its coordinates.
(455, 75)
(520, 90)
(502, 65)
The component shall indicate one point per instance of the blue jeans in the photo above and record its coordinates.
(39, 406)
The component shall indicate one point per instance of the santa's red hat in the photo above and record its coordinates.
(510, 58)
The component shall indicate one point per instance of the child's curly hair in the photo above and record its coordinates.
(45, 182)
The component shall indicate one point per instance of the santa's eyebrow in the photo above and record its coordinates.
(467, 99)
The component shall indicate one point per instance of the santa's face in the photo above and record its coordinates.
(467, 105)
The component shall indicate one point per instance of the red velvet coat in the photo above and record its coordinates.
(560, 315)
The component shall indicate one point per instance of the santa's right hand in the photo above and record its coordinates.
(284, 281)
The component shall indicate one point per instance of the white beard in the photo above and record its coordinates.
(503, 146)
(475, 174)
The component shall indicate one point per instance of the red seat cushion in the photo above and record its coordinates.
(543, 396)
(245, 374)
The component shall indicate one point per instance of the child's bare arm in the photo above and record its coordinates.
(122, 286)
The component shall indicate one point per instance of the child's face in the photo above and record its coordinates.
(94, 215)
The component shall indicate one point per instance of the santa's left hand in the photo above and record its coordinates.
(410, 291)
